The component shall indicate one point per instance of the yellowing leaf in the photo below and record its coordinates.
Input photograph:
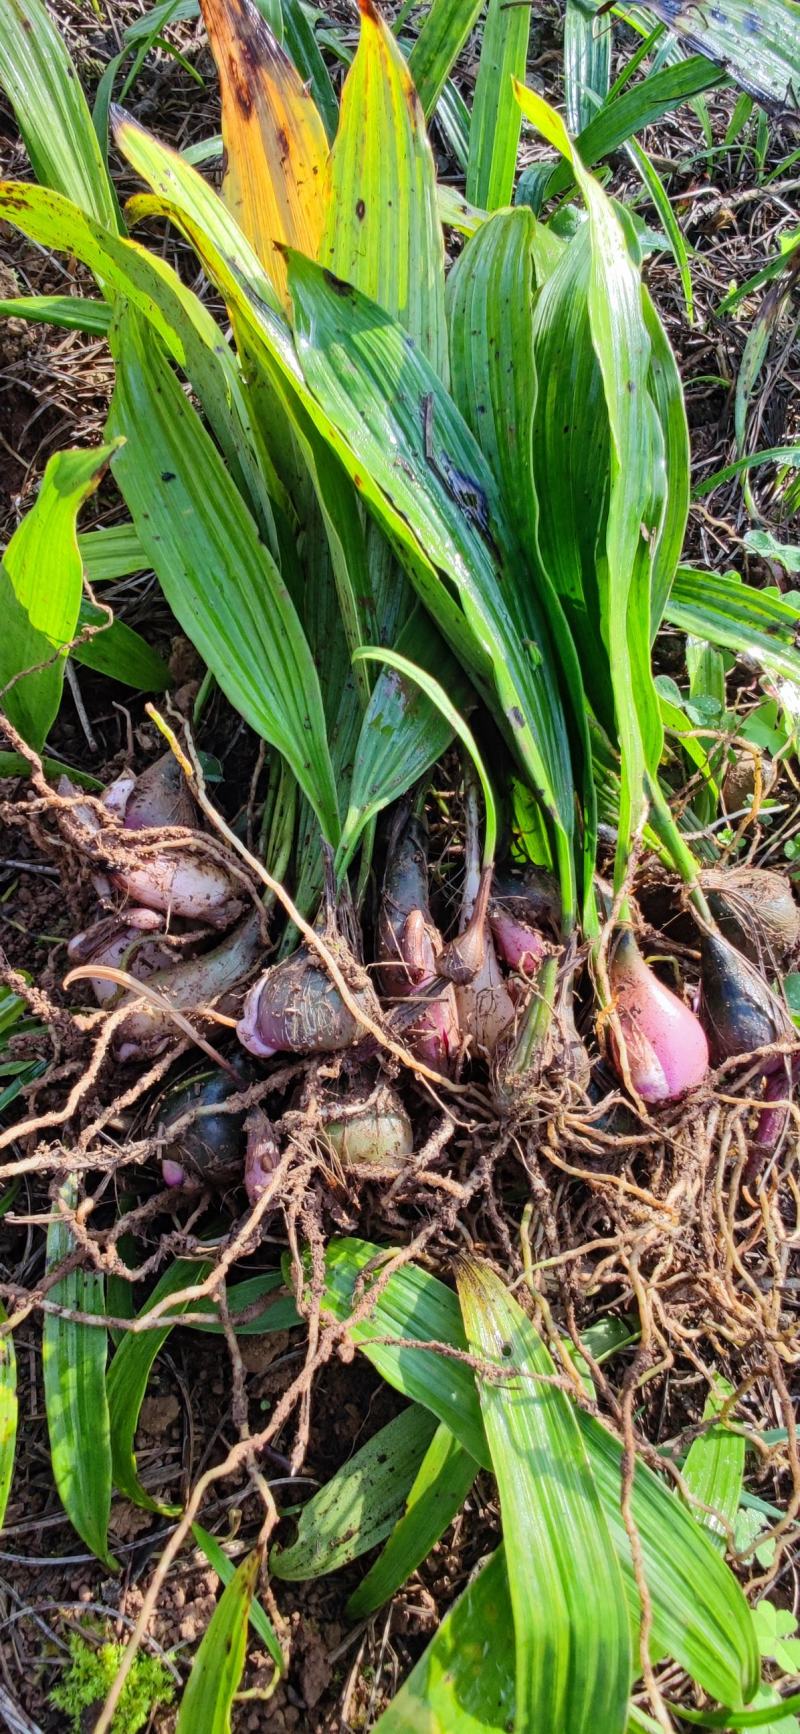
(383, 231)
(277, 153)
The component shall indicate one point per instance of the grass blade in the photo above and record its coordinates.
(71, 312)
(74, 1369)
(361, 1503)
(44, 90)
(276, 173)
(714, 1470)
(445, 29)
(8, 1413)
(41, 578)
(382, 230)
(127, 1382)
(464, 1681)
(219, 580)
(442, 1483)
(301, 43)
(722, 609)
(225, 1569)
(496, 121)
(758, 46)
(573, 1650)
(700, 1616)
(217, 1668)
(587, 63)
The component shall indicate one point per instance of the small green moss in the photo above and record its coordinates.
(87, 1679)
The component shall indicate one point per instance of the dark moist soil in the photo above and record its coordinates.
(55, 389)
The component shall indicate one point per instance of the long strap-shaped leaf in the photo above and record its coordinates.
(721, 608)
(622, 346)
(127, 1382)
(445, 29)
(496, 120)
(759, 45)
(494, 382)
(53, 116)
(74, 1367)
(383, 231)
(361, 1503)
(409, 453)
(587, 63)
(573, 1650)
(219, 580)
(445, 1477)
(217, 1668)
(41, 579)
(275, 144)
(185, 326)
(700, 1616)
(8, 1414)
(463, 1682)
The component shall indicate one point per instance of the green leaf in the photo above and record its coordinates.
(442, 1483)
(651, 179)
(445, 28)
(753, 623)
(225, 1569)
(368, 379)
(758, 45)
(220, 581)
(352, 349)
(8, 1413)
(496, 121)
(190, 333)
(52, 114)
(714, 1469)
(622, 345)
(361, 1503)
(402, 733)
(700, 1616)
(74, 1369)
(127, 1382)
(382, 230)
(120, 652)
(438, 697)
(789, 455)
(573, 1648)
(587, 63)
(278, 1314)
(14, 765)
(628, 113)
(768, 547)
(464, 1681)
(217, 1668)
(495, 384)
(113, 553)
(302, 47)
(72, 312)
(40, 586)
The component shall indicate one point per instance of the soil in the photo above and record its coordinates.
(55, 389)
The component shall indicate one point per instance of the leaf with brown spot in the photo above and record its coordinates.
(276, 178)
(383, 231)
